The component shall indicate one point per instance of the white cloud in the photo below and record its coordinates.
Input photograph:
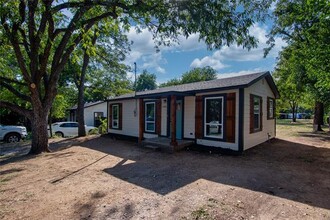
(238, 53)
(189, 44)
(211, 61)
(143, 49)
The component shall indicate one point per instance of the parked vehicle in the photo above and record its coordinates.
(11, 133)
(68, 128)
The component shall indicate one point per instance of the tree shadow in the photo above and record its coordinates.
(9, 171)
(285, 169)
(323, 136)
(21, 152)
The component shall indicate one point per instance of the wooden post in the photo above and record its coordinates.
(173, 121)
(141, 121)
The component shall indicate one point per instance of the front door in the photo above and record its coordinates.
(179, 108)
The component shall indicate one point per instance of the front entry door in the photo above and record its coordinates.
(179, 108)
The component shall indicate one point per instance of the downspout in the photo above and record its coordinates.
(135, 110)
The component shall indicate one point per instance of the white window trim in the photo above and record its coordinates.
(270, 114)
(145, 117)
(222, 118)
(115, 120)
(259, 114)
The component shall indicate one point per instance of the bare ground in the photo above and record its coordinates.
(101, 178)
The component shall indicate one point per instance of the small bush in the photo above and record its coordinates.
(103, 127)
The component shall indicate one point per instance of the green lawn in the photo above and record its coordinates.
(287, 128)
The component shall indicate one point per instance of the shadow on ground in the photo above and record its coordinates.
(285, 169)
(323, 136)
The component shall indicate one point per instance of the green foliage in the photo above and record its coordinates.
(103, 128)
(194, 75)
(94, 131)
(44, 36)
(305, 26)
(60, 105)
(146, 81)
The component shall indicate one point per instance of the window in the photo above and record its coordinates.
(115, 116)
(270, 108)
(69, 125)
(255, 113)
(213, 117)
(150, 117)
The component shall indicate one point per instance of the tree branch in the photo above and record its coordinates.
(15, 92)
(68, 5)
(34, 40)
(12, 35)
(2, 78)
(16, 108)
(66, 37)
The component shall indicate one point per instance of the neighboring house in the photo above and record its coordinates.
(92, 113)
(233, 113)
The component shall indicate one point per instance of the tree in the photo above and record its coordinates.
(199, 74)
(105, 46)
(305, 26)
(146, 81)
(44, 33)
(194, 75)
(291, 90)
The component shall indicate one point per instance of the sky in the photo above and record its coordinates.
(171, 62)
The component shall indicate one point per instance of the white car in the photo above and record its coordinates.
(68, 128)
(11, 133)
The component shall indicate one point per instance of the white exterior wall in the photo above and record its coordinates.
(89, 112)
(130, 123)
(164, 117)
(225, 145)
(189, 117)
(262, 89)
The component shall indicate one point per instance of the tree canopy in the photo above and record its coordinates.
(305, 26)
(43, 34)
(146, 81)
(194, 75)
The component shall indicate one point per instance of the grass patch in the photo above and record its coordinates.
(7, 178)
(299, 122)
(200, 213)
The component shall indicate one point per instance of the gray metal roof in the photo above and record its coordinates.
(87, 104)
(217, 84)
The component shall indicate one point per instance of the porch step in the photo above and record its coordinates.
(151, 146)
(163, 144)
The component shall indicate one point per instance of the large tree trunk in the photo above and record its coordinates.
(293, 106)
(318, 116)
(39, 132)
(80, 112)
(81, 88)
(294, 118)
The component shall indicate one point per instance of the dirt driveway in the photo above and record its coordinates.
(101, 178)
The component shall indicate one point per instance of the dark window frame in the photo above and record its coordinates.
(269, 115)
(112, 116)
(223, 129)
(120, 115)
(253, 129)
(145, 117)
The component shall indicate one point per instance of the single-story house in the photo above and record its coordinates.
(233, 113)
(93, 112)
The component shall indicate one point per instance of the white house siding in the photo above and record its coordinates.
(225, 145)
(89, 112)
(164, 117)
(262, 89)
(189, 117)
(130, 122)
